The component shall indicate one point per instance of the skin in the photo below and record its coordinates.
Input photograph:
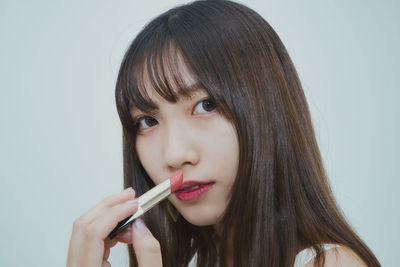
(200, 143)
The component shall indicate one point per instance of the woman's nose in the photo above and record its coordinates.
(180, 147)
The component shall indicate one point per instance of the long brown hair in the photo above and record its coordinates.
(281, 200)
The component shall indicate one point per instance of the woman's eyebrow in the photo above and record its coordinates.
(190, 90)
(186, 93)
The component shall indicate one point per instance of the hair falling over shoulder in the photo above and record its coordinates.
(281, 200)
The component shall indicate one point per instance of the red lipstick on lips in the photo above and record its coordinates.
(192, 190)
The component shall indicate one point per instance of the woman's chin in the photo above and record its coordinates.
(199, 220)
(201, 214)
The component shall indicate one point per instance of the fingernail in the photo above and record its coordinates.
(132, 201)
(129, 189)
(140, 225)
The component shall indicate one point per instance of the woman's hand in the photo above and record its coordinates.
(90, 246)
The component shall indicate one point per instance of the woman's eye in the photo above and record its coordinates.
(146, 122)
(205, 106)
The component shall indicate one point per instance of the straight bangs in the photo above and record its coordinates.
(158, 66)
(160, 70)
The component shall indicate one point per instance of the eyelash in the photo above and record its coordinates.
(138, 120)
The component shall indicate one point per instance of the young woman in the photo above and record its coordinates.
(209, 89)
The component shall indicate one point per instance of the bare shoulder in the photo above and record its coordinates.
(342, 256)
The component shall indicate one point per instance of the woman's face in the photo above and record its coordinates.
(192, 137)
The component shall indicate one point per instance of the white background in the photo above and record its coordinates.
(60, 135)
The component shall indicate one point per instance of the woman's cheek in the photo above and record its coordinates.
(146, 152)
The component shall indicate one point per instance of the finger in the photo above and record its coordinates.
(106, 254)
(108, 202)
(125, 236)
(108, 244)
(105, 264)
(117, 198)
(108, 220)
(147, 248)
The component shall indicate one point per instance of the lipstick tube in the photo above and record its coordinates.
(149, 200)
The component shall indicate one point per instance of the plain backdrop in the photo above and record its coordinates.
(60, 135)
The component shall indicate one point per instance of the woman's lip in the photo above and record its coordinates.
(191, 183)
(194, 194)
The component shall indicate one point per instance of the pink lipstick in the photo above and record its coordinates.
(192, 190)
(149, 200)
